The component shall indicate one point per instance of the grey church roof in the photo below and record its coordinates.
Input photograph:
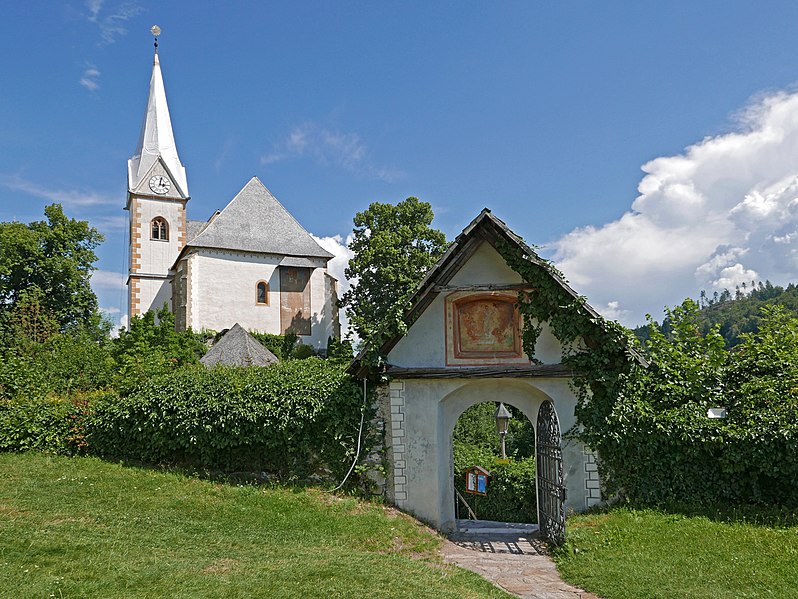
(193, 228)
(255, 221)
(238, 348)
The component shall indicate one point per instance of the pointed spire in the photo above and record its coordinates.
(157, 139)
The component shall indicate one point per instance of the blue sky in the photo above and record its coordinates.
(650, 148)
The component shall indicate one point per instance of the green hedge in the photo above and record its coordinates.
(49, 424)
(511, 495)
(657, 444)
(294, 419)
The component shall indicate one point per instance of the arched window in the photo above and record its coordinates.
(263, 293)
(159, 229)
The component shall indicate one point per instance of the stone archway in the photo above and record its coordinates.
(522, 395)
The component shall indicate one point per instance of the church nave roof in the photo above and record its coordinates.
(255, 221)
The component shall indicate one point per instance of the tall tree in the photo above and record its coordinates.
(54, 260)
(393, 247)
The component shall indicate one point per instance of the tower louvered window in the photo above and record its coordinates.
(160, 229)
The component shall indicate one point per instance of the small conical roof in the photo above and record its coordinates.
(238, 348)
(157, 139)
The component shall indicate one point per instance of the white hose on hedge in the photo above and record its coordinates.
(359, 438)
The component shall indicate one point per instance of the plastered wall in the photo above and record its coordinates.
(150, 258)
(423, 346)
(418, 433)
(223, 290)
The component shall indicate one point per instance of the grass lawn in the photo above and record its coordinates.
(639, 554)
(80, 527)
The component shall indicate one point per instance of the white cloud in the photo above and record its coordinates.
(613, 310)
(330, 148)
(338, 247)
(117, 318)
(109, 280)
(94, 7)
(67, 197)
(111, 22)
(122, 324)
(90, 77)
(723, 212)
(108, 224)
(224, 153)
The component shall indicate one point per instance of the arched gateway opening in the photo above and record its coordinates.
(539, 409)
(491, 484)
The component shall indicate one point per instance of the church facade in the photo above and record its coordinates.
(251, 263)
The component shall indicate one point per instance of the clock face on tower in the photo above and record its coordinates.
(160, 184)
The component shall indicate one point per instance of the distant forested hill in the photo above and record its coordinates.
(737, 313)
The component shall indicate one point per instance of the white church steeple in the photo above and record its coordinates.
(157, 139)
(156, 201)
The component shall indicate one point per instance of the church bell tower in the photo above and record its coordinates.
(156, 203)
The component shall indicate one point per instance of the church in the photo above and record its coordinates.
(251, 263)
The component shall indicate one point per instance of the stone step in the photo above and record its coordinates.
(491, 527)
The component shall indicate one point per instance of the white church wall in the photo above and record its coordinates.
(160, 292)
(157, 256)
(321, 310)
(423, 414)
(223, 291)
(153, 256)
(423, 347)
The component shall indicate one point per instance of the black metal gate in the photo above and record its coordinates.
(551, 490)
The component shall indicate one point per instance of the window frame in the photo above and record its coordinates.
(265, 293)
(163, 227)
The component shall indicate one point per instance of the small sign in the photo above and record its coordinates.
(477, 480)
(716, 413)
(501, 461)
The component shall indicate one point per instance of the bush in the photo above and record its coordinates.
(63, 364)
(303, 352)
(149, 349)
(511, 489)
(511, 493)
(52, 424)
(659, 446)
(294, 418)
(281, 346)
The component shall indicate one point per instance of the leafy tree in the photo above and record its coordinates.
(476, 427)
(55, 257)
(686, 365)
(762, 380)
(36, 359)
(658, 443)
(393, 247)
(149, 348)
(738, 314)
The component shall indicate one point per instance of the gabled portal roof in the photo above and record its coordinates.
(484, 228)
(157, 139)
(254, 221)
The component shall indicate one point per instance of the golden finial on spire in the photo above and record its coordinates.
(156, 31)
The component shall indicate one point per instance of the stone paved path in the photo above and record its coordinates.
(512, 557)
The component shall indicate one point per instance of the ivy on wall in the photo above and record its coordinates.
(601, 353)
(649, 423)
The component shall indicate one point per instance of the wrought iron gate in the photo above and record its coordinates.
(551, 490)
